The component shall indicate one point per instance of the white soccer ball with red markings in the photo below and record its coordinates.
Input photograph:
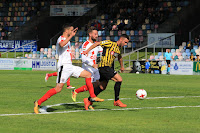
(141, 94)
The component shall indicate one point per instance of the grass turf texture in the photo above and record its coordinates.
(20, 88)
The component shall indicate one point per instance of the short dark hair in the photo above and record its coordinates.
(66, 26)
(91, 29)
(125, 36)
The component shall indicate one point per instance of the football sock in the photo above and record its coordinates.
(46, 96)
(68, 82)
(90, 87)
(168, 69)
(81, 89)
(52, 74)
(97, 90)
(117, 90)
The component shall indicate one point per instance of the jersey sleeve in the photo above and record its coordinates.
(106, 43)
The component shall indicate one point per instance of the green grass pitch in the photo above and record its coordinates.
(20, 88)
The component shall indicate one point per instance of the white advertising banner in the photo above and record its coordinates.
(70, 10)
(178, 67)
(166, 43)
(44, 64)
(22, 64)
(6, 64)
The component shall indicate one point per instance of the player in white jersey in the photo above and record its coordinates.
(66, 69)
(89, 62)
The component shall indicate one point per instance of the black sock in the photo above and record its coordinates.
(117, 90)
(97, 90)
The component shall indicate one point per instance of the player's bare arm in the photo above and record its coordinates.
(90, 48)
(73, 33)
(121, 62)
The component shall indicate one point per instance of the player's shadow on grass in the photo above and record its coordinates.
(74, 106)
(47, 87)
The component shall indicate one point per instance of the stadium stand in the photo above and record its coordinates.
(135, 18)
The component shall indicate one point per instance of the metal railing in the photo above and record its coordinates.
(146, 49)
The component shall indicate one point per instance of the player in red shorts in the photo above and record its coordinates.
(55, 74)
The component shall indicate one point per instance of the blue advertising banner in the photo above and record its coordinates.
(6, 45)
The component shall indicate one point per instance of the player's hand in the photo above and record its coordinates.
(85, 52)
(74, 32)
(122, 69)
(95, 66)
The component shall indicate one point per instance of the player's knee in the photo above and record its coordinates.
(58, 88)
(88, 75)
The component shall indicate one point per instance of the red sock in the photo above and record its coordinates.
(52, 74)
(90, 87)
(46, 96)
(68, 82)
(81, 89)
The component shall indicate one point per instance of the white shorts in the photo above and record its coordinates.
(65, 71)
(93, 71)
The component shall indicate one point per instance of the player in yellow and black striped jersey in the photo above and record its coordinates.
(111, 50)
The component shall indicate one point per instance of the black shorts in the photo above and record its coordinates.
(106, 73)
(168, 62)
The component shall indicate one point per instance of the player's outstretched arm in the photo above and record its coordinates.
(91, 47)
(63, 43)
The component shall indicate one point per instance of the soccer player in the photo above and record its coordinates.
(111, 50)
(66, 69)
(168, 56)
(55, 74)
(89, 62)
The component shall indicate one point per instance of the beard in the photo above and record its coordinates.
(94, 39)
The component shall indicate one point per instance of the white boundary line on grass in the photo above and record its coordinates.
(62, 112)
(48, 106)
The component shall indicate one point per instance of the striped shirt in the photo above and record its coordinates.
(110, 51)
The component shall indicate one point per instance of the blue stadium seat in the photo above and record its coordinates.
(103, 33)
(116, 38)
(128, 32)
(187, 50)
(133, 44)
(136, 32)
(159, 53)
(80, 39)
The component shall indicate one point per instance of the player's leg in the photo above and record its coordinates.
(63, 75)
(68, 84)
(118, 81)
(87, 75)
(50, 75)
(80, 72)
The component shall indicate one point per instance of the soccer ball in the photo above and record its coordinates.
(141, 94)
(137, 72)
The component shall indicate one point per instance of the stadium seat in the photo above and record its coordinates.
(180, 58)
(99, 33)
(173, 51)
(187, 50)
(159, 53)
(173, 54)
(161, 58)
(132, 32)
(111, 33)
(151, 57)
(183, 43)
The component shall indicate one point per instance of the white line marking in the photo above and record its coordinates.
(48, 106)
(73, 111)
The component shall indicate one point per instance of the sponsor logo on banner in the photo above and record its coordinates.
(155, 67)
(44, 64)
(6, 64)
(6, 45)
(23, 64)
(179, 67)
